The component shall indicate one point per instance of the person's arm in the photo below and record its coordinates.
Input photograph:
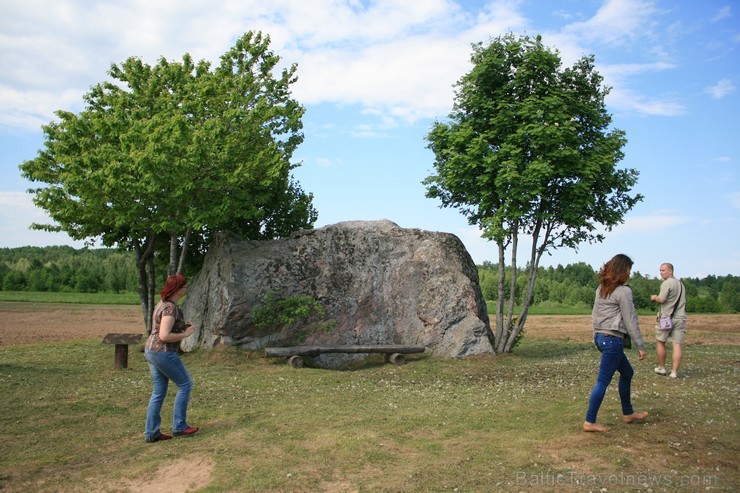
(631, 323)
(165, 330)
(661, 297)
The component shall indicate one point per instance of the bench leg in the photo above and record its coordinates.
(396, 358)
(121, 358)
(295, 361)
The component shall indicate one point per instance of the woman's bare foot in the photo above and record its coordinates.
(631, 418)
(593, 427)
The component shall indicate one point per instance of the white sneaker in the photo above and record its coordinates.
(673, 374)
(660, 370)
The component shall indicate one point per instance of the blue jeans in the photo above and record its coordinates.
(613, 359)
(165, 366)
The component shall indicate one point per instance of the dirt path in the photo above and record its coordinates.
(23, 323)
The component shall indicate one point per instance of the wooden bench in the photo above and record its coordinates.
(122, 342)
(393, 353)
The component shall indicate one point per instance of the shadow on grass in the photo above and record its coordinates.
(371, 361)
(539, 349)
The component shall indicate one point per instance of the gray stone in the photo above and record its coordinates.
(377, 282)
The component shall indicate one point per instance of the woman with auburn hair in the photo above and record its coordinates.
(162, 354)
(614, 321)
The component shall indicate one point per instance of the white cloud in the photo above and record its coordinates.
(399, 56)
(408, 73)
(398, 59)
(620, 22)
(325, 162)
(721, 89)
(15, 199)
(621, 71)
(17, 213)
(30, 109)
(627, 100)
(411, 78)
(617, 22)
(723, 13)
(624, 99)
(657, 221)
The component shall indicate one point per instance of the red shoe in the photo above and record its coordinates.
(190, 430)
(159, 437)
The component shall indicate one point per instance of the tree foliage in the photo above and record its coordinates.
(65, 269)
(528, 150)
(164, 156)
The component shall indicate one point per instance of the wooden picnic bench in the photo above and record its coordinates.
(394, 353)
(122, 342)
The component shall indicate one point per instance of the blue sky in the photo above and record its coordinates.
(374, 75)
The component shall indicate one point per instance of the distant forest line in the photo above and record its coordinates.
(106, 270)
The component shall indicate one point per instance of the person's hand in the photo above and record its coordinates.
(653, 297)
(190, 330)
(640, 354)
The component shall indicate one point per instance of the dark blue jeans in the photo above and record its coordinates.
(613, 359)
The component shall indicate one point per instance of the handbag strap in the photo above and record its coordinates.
(680, 292)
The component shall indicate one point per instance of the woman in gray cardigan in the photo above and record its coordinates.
(614, 318)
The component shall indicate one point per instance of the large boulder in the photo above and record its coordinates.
(377, 283)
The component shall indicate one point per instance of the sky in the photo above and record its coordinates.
(375, 75)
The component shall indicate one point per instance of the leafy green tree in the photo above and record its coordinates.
(14, 281)
(558, 292)
(728, 297)
(165, 156)
(702, 304)
(487, 283)
(580, 296)
(582, 274)
(528, 151)
(642, 287)
(39, 280)
(4, 270)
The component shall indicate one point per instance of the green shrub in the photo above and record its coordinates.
(276, 312)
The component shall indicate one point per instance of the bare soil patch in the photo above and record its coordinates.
(700, 328)
(177, 476)
(27, 323)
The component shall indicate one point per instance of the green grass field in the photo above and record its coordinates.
(77, 298)
(70, 422)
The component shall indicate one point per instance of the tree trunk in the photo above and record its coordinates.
(534, 264)
(500, 300)
(502, 343)
(145, 266)
(172, 267)
(152, 288)
(184, 250)
(534, 257)
(143, 298)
